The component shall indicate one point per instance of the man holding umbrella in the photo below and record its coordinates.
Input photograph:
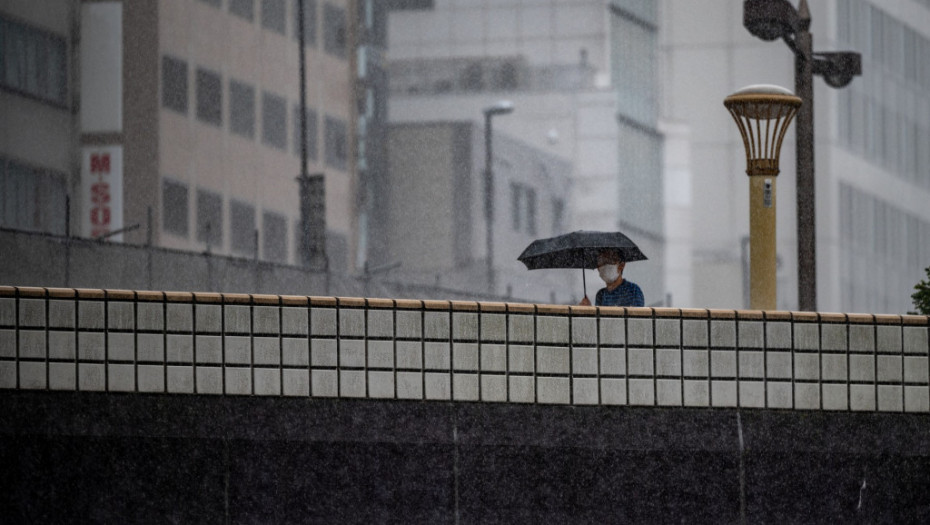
(619, 291)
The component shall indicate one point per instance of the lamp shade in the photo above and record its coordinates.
(762, 113)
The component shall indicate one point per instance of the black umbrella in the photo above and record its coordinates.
(578, 250)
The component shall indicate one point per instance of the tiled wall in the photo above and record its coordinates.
(234, 344)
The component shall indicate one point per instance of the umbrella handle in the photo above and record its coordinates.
(584, 282)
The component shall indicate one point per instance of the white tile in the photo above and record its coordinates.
(409, 324)
(209, 349)
(380, 323)
(493, 387)
(60, 345)
(436, 325)
(266, 350)
(381, 355)
(835, 397)
(151, 378)
(208, 318)
(90, 315)
(181, 379)
(32, 344)
(465, 356)
(409, 354)
(521, 329)
(613, 392)
(890, 398)
(323, 352)
(916, 399)
(779, 365)
(585, 391)
(861, 338)
(888, 339)
(351, 352)
(60, 314)
(122, 378)
(723, 334)
(351, 322)
(209, 380)
(642, 392)
(267, 381)
(351, 383)
(7, 374)
(32, 375)
(465, 326)
(294, 320)
(150, 316)
(806, 336)
(861, 368)
(31, 313)
(584, 360)
(807, 396)
(777, 334)
(613, 331)
(668, 392)
(493, 327)
(120, 346)
(151, 347)
(437, 356)
(323, 383)
(465, 387)
(120, 316)
(238, 350)
(697, 393)
(180, 317)
(322, 321)
(640, 361)
(552, 330)
(752, 394)
(295, 352)
(522, 389)
(380, 384)
(493, 357)
(552, 360)
(750, 334)
(296, 383)
(91, 346)
(62, 376)
(180, 348)
(613, 361)
(779, 394)
(265, 320)
(91, 377)
(409, 385)
(889, 368)
(723, 363)
(438, 386)
(553, 390)
(668, 362)
(695, 363)
(806, 366)
(521, 358)
(639, 332)
(862, 397)
(833, 366)
(694, 333)
(723, 393)
(238, 381)
(238, 319)
(584, 330)
(915, 369)
(915, 340)
(7, 311)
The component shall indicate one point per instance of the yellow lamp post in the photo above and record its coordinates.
(762, 113)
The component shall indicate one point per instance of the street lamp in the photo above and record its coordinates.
(771, 19)
(762, 113)
(500, 108)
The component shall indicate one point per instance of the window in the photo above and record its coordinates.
(212, 3)
(274, 117)
(242, 109)
(309, 22)
(32, 198)
(523, 208)
(209, 218)
(273, 15)
(515, 207)
(243, 8)
(174, 207)
(312, 148)
(274, 245)
(174, 84)
(209, 97)
(334, 30)
(33, 62)
(336, 138)
(558, 216)
(530, 211)
(242, 227)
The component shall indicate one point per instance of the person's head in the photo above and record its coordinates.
(610, 265)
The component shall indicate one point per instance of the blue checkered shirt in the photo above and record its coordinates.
(627, 294)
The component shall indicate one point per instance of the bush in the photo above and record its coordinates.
(921, 296)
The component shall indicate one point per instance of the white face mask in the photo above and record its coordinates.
(608, 272)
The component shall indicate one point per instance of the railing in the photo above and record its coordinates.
(269, 345)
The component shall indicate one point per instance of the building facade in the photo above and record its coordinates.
(872, 169)
(178, 121)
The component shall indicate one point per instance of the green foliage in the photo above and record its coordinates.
(922, 296)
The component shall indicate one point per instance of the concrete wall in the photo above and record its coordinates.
(237, 344)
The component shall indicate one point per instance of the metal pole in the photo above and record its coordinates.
(807, 228)
(303, 89)
(489, 199)
(762, 289)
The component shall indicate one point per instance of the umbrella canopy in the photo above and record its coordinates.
(577, 250)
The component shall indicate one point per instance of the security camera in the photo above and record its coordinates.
(838, 69)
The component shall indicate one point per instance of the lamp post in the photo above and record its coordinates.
(762, 113)
(771, 19)
(501, 108)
